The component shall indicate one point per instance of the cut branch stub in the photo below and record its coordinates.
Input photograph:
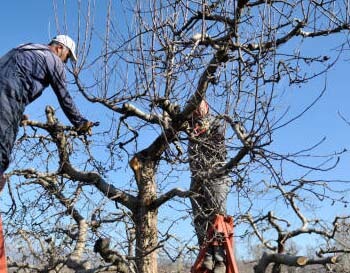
(136, 165)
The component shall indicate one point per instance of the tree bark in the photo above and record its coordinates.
(145, 217)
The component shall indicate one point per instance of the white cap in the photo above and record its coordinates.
(68, 42)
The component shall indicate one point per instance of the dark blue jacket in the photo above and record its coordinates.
(24, 73)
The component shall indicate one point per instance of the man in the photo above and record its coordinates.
(25, 72)
(207, 151)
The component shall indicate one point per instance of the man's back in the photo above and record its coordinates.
(36, 67)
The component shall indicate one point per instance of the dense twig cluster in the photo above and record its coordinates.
(147, 82)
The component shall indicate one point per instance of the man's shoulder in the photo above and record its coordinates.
(33, 46)
(52, 60)
(41, 49)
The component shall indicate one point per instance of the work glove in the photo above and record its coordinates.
(86, 127)
(24, 119)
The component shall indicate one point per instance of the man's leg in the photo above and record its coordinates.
(2, 180)
(220, 259)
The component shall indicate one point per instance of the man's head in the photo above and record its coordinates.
(202, 110)
(64, 47)
(200, 124)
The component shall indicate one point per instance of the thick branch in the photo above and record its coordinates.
(88, 178)
(207, 77)
(93, 178)
(290, 260)
(110, 256)
(80, 246)
(169, 195)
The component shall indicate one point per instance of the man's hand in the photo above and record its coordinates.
(86, 127)
(24, 119)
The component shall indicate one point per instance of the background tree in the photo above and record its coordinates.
(73, 196)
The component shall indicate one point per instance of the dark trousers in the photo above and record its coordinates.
(11, 111)
(209, 199)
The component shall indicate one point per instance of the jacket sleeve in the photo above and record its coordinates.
(58, 84)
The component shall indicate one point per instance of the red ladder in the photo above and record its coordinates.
(3, 263)
(222, 225)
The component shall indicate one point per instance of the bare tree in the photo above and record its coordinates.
(74, 196)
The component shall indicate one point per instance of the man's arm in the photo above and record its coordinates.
(58, 84)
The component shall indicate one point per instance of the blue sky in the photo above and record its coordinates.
(33, 21)
(24, 21)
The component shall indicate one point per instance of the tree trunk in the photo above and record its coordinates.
(145, 218)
